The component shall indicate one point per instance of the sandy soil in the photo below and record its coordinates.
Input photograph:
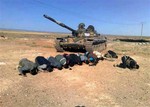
(99, 86)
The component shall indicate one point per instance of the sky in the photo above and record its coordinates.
(117, 17)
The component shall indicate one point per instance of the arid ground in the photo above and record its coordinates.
(91, 86)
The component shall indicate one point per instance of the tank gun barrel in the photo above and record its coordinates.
(59, 23)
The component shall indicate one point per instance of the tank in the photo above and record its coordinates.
(86, 42)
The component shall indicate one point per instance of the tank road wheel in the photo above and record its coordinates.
(57, 46)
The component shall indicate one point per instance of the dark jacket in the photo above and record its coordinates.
(72, 59)
(128, 62)
(111, 54)
(26, 65)
(75, 59)
(55, 63)
(40, 61)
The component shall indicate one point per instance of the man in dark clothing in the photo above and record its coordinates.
(43, 64)
(25, 66)
(75, 59)
(81, 30)
(68, 61)
(55, 63)
(92, 58)
(128, 62)
(91, 30)
(111, 54)
(72, 59)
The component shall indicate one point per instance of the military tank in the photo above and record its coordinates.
(89, 43)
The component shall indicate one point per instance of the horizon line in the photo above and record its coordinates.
(10, 29)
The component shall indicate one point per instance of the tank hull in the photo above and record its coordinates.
(85, 44)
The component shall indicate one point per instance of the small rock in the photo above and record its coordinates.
(2, 63)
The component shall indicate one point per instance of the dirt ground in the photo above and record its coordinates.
(98, 86)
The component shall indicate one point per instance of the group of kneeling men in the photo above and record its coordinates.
(69, 60)
(59, 62)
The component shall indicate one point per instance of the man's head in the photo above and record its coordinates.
(134, 65)
(34, 71)
(81, 25)
(90, 28)
(137, 66)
